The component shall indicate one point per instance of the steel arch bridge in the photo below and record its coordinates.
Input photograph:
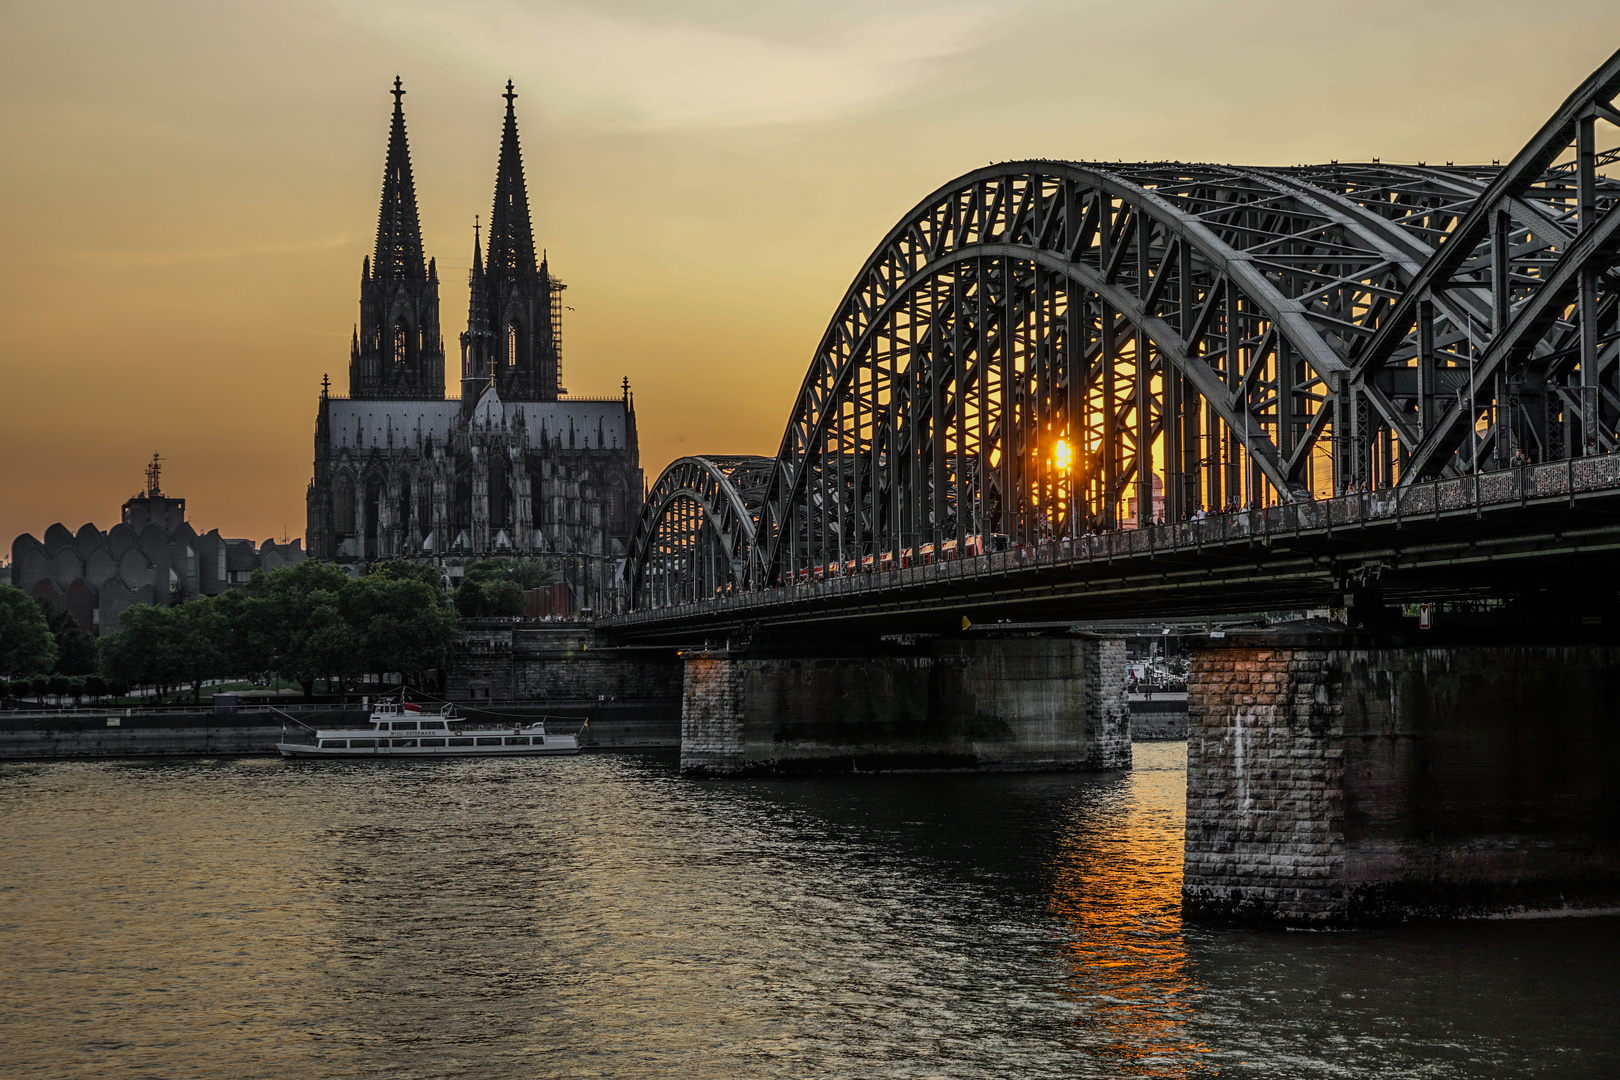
(697, 528)
(1040, 349)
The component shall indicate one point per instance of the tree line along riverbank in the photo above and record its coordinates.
(306, 624)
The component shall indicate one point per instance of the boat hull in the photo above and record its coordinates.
(561, 748)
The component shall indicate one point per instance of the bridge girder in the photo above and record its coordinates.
(695, 533)
(1537, 250)
(1040, 348)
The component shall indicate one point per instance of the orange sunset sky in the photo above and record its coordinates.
(187, 189)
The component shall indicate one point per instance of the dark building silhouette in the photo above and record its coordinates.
(397, 351)
(515, 467)
(152, 556)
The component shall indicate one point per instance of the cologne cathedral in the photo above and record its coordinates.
(512, 467)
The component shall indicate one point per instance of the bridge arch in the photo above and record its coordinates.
(696, 530)
(1518, 307)
(1181, 330)
(1042, 347)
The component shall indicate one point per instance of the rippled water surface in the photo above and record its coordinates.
(600, 916)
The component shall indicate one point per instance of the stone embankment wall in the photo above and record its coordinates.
(85, 734)
(992, 704)
(497, 660)
(1333, 785)
(621, 726)
(1161, 717)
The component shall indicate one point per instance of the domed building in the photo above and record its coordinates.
(152, 556)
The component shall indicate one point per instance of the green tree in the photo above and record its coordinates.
(487, 570)
(75, 649)
(239, 657)
(58, 686)
(500, 597)
(503, 598)
(146, 650)
(26, 643)
(312, 621)
(525, 573)
(201, 643)
(532, 573)
(330, 648)
(291, 622)
(469, 600)
(407, 570)
(403, 623)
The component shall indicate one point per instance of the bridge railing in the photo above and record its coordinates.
(1503, 489)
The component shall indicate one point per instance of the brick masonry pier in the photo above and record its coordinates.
(943, 704)
(1338, 779)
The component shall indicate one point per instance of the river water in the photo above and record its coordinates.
(601, 917)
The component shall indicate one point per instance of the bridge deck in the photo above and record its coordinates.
(1544, 525)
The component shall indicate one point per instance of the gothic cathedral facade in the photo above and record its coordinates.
(514, 466)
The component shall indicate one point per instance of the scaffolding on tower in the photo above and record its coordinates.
(557, 288)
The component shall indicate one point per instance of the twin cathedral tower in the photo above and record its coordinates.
(514, 467)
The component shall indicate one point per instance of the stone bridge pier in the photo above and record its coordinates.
(993, 704)
(1343, 779)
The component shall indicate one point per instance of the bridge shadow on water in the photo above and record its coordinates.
(1066, 890)
(1080, 873)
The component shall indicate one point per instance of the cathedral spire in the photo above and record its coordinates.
(511, 235)
(521, 297)
(477, 298)
(399, 232)
(477, 343)
(397, 350)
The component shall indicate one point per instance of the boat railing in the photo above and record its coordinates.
(451, 725)
(481, 726)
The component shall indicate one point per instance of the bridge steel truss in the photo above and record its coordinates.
(1040, 349)
(697, 528)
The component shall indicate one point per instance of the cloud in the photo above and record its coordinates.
(641, 74)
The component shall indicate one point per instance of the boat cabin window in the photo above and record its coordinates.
(432, 742)
(404, 742)
(433, 725)
(334, 744)
(353, 743)
(404, 725)
(461, 742)
(521, 740)
(489, 742)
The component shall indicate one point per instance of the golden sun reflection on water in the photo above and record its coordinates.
(1116, 886)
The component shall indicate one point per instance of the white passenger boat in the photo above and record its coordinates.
(405, 731)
